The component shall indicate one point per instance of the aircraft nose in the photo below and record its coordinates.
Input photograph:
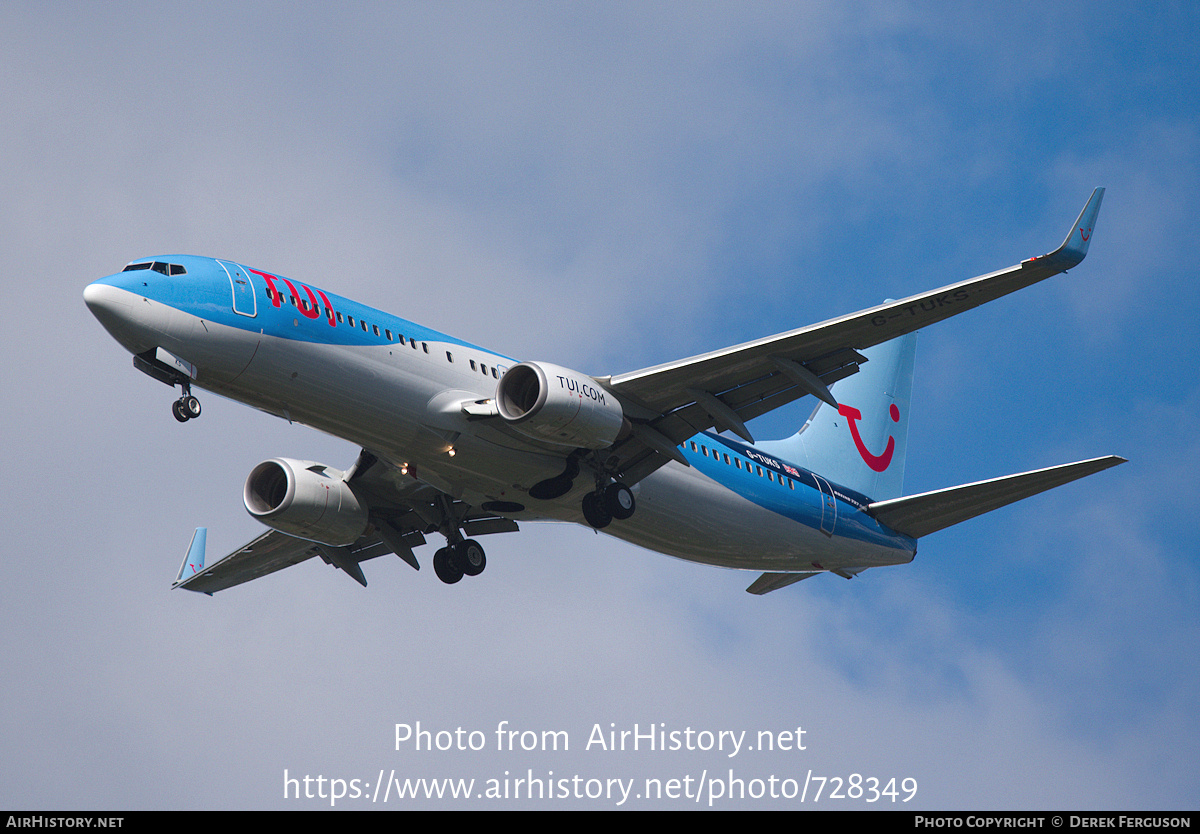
(113, 308)
(106, 301)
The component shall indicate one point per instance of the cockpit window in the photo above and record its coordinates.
(158, 266)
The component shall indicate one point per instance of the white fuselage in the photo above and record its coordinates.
(402, 400)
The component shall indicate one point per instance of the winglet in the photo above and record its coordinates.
(193, 560)
(1075, 247)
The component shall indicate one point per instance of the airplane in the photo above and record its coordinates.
(460, 441)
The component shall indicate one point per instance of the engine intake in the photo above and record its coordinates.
(557, 405)
(305, 499)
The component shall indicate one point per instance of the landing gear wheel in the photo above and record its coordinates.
(618, 500)
(445, 568)
(594, 511)
(186, 408)
(468, 557)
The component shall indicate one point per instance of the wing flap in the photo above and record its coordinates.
(748, 401)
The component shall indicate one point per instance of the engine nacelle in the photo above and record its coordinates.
(305, 499)
(558, 405)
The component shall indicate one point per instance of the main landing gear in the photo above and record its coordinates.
(606, 503)
(465, 558)
(611, 499)
(460, 557)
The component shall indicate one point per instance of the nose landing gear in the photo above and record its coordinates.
(186, 408)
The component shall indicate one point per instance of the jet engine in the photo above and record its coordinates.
(557, 405)
(305, 499)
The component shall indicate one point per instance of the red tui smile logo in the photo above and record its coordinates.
(878, 463)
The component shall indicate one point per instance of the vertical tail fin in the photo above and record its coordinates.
(861, 443)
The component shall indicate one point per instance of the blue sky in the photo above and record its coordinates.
(609, 187)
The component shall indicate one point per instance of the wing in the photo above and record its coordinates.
(724, 389)
(268, 553)
(402, 510)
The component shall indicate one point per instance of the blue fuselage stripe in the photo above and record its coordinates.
(204, 291)
(743, 469)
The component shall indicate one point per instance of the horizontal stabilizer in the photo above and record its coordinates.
(920, 515)
(774, 581)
